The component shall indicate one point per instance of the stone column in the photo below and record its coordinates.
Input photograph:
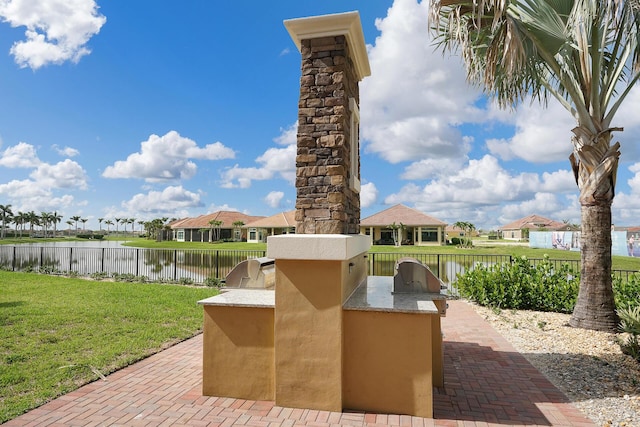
(334, 60)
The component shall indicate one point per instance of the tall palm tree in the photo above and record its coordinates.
(6, 214)
(84, 223)
(100, 222)
(69, 223)
(132, 221)
(108, 223)
(586, 55)
(117, 222)
(214, 234)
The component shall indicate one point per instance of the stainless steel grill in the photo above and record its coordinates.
(255, 273)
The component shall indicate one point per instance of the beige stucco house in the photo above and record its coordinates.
(419, 228)
(280, 223)
(199, 229)
(519, 229)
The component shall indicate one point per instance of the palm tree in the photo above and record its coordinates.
(33, 220)
(237, 235)
(124, 221)
(117, 222)
(6, 213)
(84, 223)
(467, 228)
(55, 219)
(19, 219)
(108, 222)
(132, 221)
(586, 55)
(69, 223)
(215, 226)
(45, 219)
(100, 222)
(76, 219)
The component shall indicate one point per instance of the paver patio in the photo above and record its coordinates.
(486, 383)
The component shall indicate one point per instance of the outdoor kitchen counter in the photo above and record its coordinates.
(376, 294)
(258, 298)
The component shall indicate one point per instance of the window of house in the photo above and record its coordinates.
(354, 143)
(180, 235)
(252, 234)
(429, 235)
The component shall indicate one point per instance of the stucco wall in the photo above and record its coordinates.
(238, 344)
(387, 362)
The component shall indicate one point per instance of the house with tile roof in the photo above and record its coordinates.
(200, 229)
(519, 229)
(280, 223)
(419, 228)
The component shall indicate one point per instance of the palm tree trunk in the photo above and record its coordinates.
(595, 307)
(595, 165)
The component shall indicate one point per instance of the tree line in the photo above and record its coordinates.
(47, 222)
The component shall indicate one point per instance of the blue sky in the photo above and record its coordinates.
(147, 109)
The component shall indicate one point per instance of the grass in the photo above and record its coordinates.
(57, 333)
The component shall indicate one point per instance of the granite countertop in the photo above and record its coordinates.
(376, 294)
(260, 298)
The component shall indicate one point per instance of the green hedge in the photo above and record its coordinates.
(541, 287)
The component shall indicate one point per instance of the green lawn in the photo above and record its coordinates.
(57, 333)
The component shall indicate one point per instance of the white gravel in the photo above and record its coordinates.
(587, 366)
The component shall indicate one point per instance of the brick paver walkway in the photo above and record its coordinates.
(486, 383)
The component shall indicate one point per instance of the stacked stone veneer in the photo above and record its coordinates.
(326, 203)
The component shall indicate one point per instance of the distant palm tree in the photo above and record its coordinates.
(124, 221)
(109, 223)
(70, 223)
(45, 219)
(237, 235)
(215, 229)
(117, 222)
(55, 219)
(84, 222)
(132, 221)
(6, 213)
(76, 219)
(100, 222)
(19, 219)
(33, 220)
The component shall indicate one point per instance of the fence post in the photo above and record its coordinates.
(102, 261)
(137, 261)
(70, 258)
(13, 261)
(439, 272)
(41, 257)
(175, 265)
(218, 264)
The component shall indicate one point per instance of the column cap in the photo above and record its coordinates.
(339, 24)
(329, 247)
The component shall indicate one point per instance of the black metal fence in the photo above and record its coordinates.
(198, 265)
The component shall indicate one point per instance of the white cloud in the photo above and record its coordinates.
(542, 135)
(65, 151)
(483, 185)
(22, 155)
(166, 158)
(368, 195)
(274, 198)
(56, 30)
(415, 96)
(65, 174)
(273, 162)
(27, 195)
(169, 200)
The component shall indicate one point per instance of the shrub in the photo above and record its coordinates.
(521, 285)
(185, 281)
(213, 282)
(627, 293)
(630, 324)
(455, 241)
